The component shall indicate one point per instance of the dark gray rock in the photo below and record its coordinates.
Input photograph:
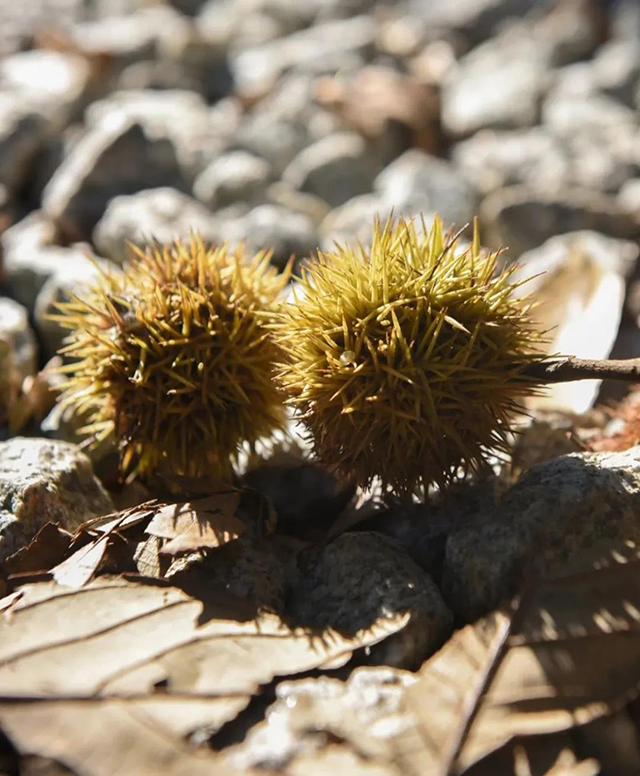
(181, 117)
(42, 481)
(248, 568)
(16, 332)
(498, 85)
(163, 214)
(237, 176)
(418, 183)
(361, 577)
(112, 158)
(335, 169)
(521, 219)
(23, 133)
(558, 510)
(12, 535)
(274, 228)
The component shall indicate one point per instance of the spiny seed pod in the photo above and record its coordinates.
(406, 361)
(174, 356)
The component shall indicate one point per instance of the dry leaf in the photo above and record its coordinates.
(46, 549)
(115, 677)
(579, 300)
(568, 654)
(205, 522)
(80, 567)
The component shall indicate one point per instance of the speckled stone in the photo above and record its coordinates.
(43, 480)
(362, 577)
(558, 510)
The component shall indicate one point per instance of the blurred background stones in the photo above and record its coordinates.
(288, 126)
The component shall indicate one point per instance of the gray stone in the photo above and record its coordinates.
(16, 332)
(50, 83)
(163, 214)
(75, 271)
(232, 177)
(31, 258)
(284, 122)
(566, 115)
(498, 85)
(325, 48)
(181, 117)
(365, 713)
(248, 568)
(417, 182)
(128, 37)
(42, 481)
(23, 133)
(335, 169)
(520, 219)
(275, 228)
(491, 160)
(274, 139)
(629, 196)
(474, 20)
(616, 69)
(280, 193)
(568, 30)
(115, 157)
(558, 510)
(360, 577)
(611, 254)
(12, 535)
(353, 221)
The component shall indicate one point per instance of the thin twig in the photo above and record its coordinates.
(564, 370)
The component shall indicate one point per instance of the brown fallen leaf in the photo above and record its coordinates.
(205, 522)
(567, 653)
(120, 638)
(118, 677)
(103, 738)
(46, 549)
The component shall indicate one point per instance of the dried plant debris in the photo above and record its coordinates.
(406, 361)
(130, 664)
(623, 432)
(563, 656)
(174, 357)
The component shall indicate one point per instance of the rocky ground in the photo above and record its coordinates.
(289, 125)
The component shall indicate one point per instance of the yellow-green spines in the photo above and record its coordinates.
(405, 361)
(174, 356)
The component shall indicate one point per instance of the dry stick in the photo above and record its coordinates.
(564, 370)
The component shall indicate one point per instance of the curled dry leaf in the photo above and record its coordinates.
(579, 300)
(46, 549)
(565, 655)
(129, 664)
(170, 529)
(205, 522)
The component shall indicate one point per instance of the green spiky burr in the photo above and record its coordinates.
(174, 358)
(406, 361)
